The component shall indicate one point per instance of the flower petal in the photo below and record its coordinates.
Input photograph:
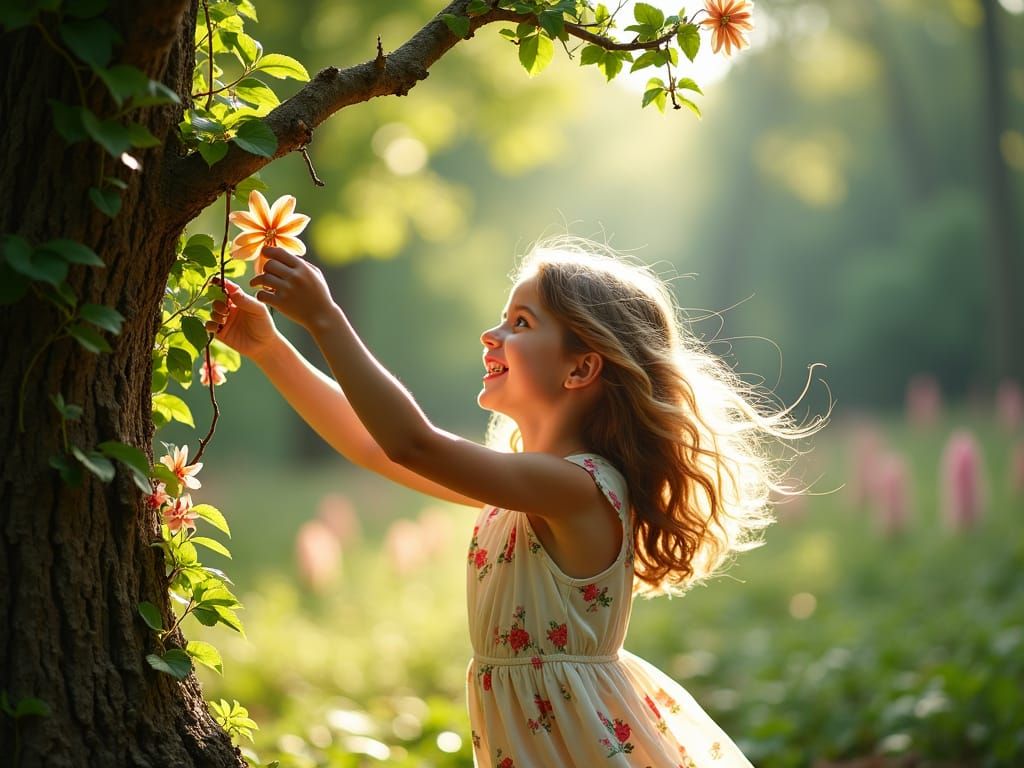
(246, 252)
(716, 39)
(293, 225)
(259, 209)
(283, 207)
(245, 220)
(291, 244)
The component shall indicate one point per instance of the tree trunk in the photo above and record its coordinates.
(75, 563)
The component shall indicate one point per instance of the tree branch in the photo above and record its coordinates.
(189, 185)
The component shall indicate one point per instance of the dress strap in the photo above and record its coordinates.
(608, 479)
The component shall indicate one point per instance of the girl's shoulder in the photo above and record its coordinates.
(606, 476)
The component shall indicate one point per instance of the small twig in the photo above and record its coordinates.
(309, 165)
(209, 35)
(381, 59)
(671, 83)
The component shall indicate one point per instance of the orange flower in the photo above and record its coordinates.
(263, 225)
(727, 19)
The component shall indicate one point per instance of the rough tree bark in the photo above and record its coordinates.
(75, 563)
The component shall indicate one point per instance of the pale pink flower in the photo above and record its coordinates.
(1010, 404)
(924, 400)
(157, 498)
(866, 450)
(963, 491)
(338, 514)
(404, 547)
(317, 554)
(218, 373)
(891, 494)
(265, 225)
(180, 514)
(177, 462)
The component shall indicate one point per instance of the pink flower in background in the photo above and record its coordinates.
(403, 546)
(924, 400)
(337, 513)
(218, 373)
(963, 492)
(177, 462)
(1010, 405)
(1016, 473)
(891, 494)
(866, 450)
(180, 515)
(317, 554)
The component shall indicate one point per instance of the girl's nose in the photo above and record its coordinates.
(489, 338)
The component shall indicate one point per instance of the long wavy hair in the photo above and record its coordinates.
(695, 443)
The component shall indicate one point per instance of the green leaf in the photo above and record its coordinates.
(89, 338)
(176, 409)
(13, 285)
(96, 463)
(591, 54)
(31, 707)
(42, 265)
(161, 473)
(689, 40)
(70, 474)
(256, 92)
(68, 121)
(128, 455)
(213, 516)
(83, 9)
(194, 331)
(123, 81)
(649, 15)
(226, 356)
(205, 654)
(151, 615)
(107, 201)
(68, 411)
(91, 40)
(206, 616)
(256, 138)
(179, 364)
(611, 65)
(73, 252)
(227, 617)
(685, 82)
(647, 59)
(140, 136)
(280, 66)
(244, 187)
(107, 318)
(109, 134)
(213, 152)
(175, 662)
(535, 53)
(204, 124)
(552, 22)
(211, 544)
(459, 25)
(153, 94)
(689, 105)
(200, 253)
(651, 94)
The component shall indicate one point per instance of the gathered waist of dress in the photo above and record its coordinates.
(537, 661)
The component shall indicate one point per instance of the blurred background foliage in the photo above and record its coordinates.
(839, 202)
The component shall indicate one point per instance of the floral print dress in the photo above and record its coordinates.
(549, 683)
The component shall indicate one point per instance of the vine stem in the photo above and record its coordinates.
(209, 36)
(57, 334)
(206, 350)
(66, 56)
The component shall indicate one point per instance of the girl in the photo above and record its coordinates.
(636, 468)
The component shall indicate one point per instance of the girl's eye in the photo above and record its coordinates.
(520, 322)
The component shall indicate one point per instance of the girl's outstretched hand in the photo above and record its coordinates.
(241, 322)
(295, 287)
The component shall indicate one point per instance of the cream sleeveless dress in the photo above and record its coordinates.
(549, 683)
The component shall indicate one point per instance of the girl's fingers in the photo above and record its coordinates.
(275, 268)
(213, 326)
(266, 297)
(267, 280)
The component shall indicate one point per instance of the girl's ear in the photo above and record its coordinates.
(586, 371)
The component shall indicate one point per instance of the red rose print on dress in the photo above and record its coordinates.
(477, 556)
(484, 676)
(558, 635)
(517, 638)
(510, 549)
(618, 730)
(503, 762)
(595, 597)
(545, 716)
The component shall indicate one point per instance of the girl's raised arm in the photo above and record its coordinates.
(317, 398)
(536, 483)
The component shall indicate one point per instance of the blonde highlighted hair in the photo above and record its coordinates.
(694, 441)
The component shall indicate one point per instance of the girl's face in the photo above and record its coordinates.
(524, 357)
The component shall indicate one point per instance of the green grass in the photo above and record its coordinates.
(829, 643)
